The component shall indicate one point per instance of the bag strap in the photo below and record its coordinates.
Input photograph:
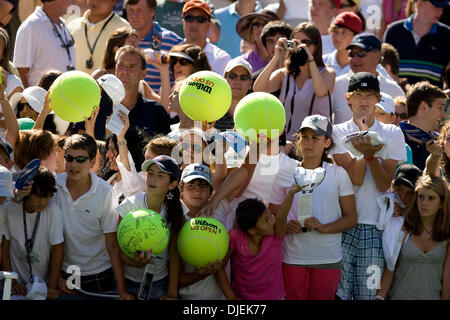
(312, 103)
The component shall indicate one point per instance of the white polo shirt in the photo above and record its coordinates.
(341, 109)
(39, 48)
(366, 194)
(217, 57)
(86, 221)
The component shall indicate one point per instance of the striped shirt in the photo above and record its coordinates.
(159, 39)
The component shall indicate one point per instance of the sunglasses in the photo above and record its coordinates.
(22, 105)
(196, 147)
(402, 116)
(190, 18)
(234, 76)
(182, 61)
(360, 54)
(79, 159)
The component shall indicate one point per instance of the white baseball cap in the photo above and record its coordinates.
(6, 183)
(34, 95)
(386, 103)
(238, 62)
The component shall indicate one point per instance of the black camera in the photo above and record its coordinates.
(89, 63)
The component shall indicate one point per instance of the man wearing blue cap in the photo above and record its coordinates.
(364, 55)
(422, 42)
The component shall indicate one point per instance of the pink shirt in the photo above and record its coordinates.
(256, 277)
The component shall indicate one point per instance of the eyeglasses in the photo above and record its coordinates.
(79, 159)
(182, 61)
(200, 19)
(402, 116)
(234, 76)
(360, 54)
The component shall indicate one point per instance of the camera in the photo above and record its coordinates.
(89, 63)
(290, 45)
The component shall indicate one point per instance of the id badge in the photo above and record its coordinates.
(146, 284)
(304, 207)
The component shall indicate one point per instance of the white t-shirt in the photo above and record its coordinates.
(327, 44)
(13, 82)
(366, 194)
(132, 181)
(86, 221)
(205, 289)
(49, 232)
(217, 57)
(341, 110)
(39, 48)
(311, 248)
(159, 266)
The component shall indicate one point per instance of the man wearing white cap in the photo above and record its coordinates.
(385, 109)
(238, 73)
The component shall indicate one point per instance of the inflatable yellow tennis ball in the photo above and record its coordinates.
(202, 240)
(257, 114)
(205, 96)
(74, 95)
(142, 230)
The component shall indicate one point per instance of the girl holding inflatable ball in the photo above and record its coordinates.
(161, 195)
(312, 255)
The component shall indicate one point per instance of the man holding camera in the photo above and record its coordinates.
(43, 42)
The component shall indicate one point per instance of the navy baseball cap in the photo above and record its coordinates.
(440, 3)
(363, 81)
(365, 41)
(165, 163)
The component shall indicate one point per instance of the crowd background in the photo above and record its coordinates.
(351, 75)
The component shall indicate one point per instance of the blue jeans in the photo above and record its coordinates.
(159, 288)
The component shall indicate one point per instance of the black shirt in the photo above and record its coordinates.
(419, 152)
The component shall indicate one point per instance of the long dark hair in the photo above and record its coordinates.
(174, 209)
(196, 53)
(116, 39)
(311, 31)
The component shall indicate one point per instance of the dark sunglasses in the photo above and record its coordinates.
(21, 105)
(182, 61)
(234, 76)
(79, 159)
(200, 19)
(402, 116)
(360, 54)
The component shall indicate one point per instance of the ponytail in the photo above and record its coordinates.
(174, 209)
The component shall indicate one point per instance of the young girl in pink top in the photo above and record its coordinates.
(255, 249)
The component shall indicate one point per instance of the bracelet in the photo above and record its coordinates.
(311, 60)
(378, 297)
(122, 143)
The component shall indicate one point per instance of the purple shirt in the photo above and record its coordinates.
(254, 59)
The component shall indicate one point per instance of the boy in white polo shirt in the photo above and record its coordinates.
(371, 175)
(90, 222)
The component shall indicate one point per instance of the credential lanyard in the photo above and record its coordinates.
(65, 44)
(92, 49)
(30, 242)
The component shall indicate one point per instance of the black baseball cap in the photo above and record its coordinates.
(365, 41)
(406, 174)
(440, 3)
(363, 81)
(165, 163)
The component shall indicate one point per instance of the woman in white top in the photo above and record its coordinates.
(311, 257)
(305, 82)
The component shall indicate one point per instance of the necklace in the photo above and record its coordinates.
(428, 232)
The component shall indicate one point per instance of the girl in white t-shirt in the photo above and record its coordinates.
(161, 195)
(311, 258)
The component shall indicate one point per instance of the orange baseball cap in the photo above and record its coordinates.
(197, 4)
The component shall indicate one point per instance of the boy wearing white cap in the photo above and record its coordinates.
(385, 109)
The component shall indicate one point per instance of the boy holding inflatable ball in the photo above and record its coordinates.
(210, 282)
(162, 196)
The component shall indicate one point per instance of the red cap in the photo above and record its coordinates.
(197, 4)
(349, 20)
(337, 3)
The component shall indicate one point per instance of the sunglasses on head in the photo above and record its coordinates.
(79, 159)
(190, 18)
(182, 61)
(360, 54)
(234, 76)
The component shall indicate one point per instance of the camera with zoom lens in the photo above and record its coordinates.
(290, 45)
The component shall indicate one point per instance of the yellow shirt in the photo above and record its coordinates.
(82, 53)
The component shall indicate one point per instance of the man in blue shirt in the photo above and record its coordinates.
(228, 16)
(140, 14)
(419, 40)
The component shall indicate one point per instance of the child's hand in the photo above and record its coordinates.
(25, 191)
(126, 296)
(398, 211)
(314, 224)
(293, 189)
(53, 294)
(293, 226)
(210, 268)
(142, 258)
(209, 209)
(19, 288)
